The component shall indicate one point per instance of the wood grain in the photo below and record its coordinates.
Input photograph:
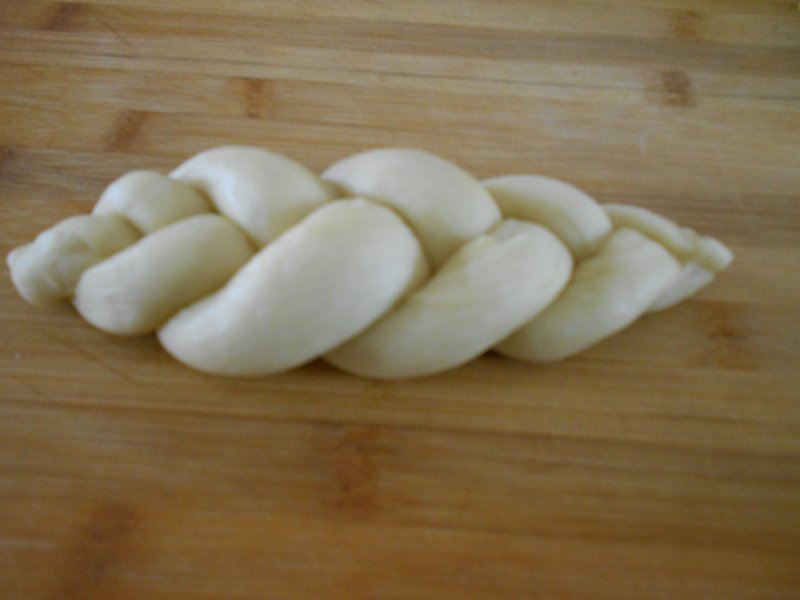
(662, 463)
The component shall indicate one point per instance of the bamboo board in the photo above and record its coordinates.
(662, 463)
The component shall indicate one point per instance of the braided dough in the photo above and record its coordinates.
(395, 263)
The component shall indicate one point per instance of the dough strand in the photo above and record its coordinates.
(394, 263)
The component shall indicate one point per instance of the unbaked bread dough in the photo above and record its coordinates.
(395, 263)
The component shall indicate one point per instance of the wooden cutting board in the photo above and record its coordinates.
(662, 463)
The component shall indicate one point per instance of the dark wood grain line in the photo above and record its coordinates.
(98, 545)
(677, 89)
(687, 25)
(127, 129)
(354, 470)
(7, 155)
(62, 15)
(257, 97)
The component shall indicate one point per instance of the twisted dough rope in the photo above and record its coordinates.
(245, 265)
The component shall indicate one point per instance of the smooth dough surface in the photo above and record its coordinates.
(316, 286)
(150, 201)
(139, 288)
(394, 263)
(607, 293)
(263, 192)
(47, 270)
(568, 212)
(478, 297)
(445, 205)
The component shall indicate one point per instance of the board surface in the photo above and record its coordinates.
(662, 463)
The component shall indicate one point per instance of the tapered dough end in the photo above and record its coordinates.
(46, 271)
(685, 243)
(263, 192)
(607, 293)
(702, 256)
(691, 280)
(487, 289)
(316, 286)
(444, 204)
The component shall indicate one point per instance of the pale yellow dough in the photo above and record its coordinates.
(395, 263)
